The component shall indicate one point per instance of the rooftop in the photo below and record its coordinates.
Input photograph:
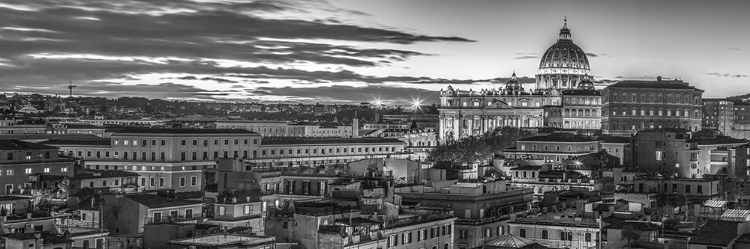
(13, 198)
(80, 141)
(653, 84)
(156, 201)
(183, 131)
(326, 140)
(557, 138)
(21, 145)
(215, 240)
(26, 137)
(715, 232)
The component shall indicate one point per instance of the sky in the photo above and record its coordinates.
(352, 51)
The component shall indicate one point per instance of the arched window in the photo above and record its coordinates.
(446, 246)
(434, 247)
(522, 233)
(545, 234)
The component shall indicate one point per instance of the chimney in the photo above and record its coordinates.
(658, 78)
(355, 127)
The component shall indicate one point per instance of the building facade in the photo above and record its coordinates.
(19, 160)
(630, 106)
(718, 114)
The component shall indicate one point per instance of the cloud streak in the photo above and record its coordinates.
(116, 48)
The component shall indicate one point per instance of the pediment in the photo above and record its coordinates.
(498, 104)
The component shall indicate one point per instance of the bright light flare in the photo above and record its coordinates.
(416, 103)
(378, 102)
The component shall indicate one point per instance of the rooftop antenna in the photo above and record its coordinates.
(70, 87)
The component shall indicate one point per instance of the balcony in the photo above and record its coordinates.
(173, 219)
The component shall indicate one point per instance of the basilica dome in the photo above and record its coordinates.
(564, 64)
(586, 84)
(513, 85)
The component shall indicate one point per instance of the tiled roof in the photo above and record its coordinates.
(658, 84)
(557, 138)
(183, 131)
(21, 145)
(714, 203)
(736, 214)
(715, 232)
(155, 201)
(509, 241)
(335, 140)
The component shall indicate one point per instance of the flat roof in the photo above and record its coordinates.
(155, 201)
(326, 140)
(183, 131)
(223, 240)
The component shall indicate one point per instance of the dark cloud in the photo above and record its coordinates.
(351, 94)
(128, 35)
(526, 57)
(728, 75)
(171, 90)
(592, 55)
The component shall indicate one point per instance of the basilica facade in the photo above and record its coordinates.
(564, 98)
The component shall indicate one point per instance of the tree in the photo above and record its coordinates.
(630, 234)
(478, 148)
(671, 223)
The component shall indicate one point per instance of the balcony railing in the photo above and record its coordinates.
(173, 219)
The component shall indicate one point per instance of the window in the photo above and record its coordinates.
(173, 213)
(193, 180)
(222, 210)
(566, 235)
(153, 182)
(392, 240)
(182, 181)
(522, 233)
(246, 209)
(157, 216)
(28, 171)
(184, 142)
(163, 142)
(587, 237)
(545, 234)
(161, 182)
(46, 170)
(189, 213)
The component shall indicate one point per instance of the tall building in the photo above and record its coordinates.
(718, 114)
(563, 70)
(632, 105)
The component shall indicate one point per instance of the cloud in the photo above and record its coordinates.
(728, 75)
(526, 57)
(737, 49)
(100, 44)
(342, 93)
